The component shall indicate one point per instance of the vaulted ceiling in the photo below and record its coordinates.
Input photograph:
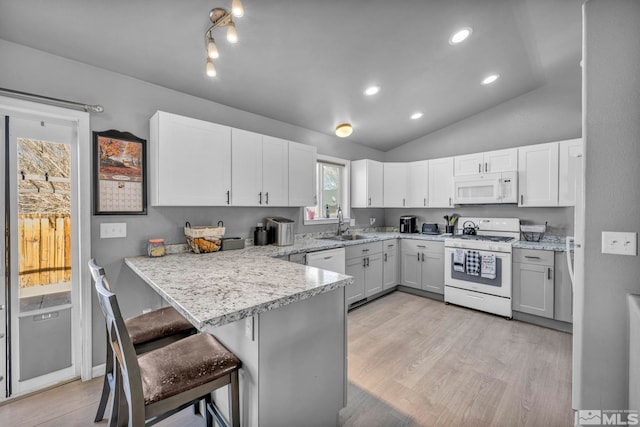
(307, 62)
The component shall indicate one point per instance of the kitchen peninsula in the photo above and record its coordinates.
(285, 321)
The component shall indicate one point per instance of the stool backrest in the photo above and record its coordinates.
(122, 347)
(96, 270)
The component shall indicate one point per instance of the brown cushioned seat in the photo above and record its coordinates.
(156, 324)
(184, 365)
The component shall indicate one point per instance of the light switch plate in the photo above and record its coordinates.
(110, 230)
(619, 243)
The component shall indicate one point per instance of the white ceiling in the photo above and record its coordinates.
(307, 62)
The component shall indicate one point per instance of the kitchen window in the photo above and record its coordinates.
(332, 179)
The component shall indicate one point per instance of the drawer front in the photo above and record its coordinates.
(409, 246)
(390, 245)
(533, 256)
(364, 249)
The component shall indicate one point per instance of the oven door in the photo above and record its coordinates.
(500, 286)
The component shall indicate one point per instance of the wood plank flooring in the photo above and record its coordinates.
(412, 362)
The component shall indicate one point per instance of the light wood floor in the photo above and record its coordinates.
(412, 362)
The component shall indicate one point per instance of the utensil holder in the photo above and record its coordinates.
(450, 229)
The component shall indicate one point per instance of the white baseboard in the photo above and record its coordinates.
(98, 371)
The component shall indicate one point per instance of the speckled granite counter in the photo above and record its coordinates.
(550, 243)
(222, 287)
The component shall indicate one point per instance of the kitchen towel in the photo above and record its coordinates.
(458, 260)
(473, 263)
(488, 269)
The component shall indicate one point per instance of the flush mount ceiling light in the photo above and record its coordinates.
(344, 130)
(460, 35)
(372, 90)
(416, 116)
(490, 79)
(221, 18)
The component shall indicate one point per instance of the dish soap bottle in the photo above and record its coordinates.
(326, 211)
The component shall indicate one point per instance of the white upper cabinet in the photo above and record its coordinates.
(417, 184)
(259, 169)
(441, 182)
(246, 168)
(570, 151)
(275, 171)
(190, 161)
(366, 184)
(395, 185)
(489, 162)
(538, 175)
(302, 174)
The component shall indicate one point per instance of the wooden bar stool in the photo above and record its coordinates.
(147, 332)
(152, 386)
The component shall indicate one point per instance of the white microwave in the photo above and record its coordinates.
(487, 188)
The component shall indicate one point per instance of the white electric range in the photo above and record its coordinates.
(478, 267)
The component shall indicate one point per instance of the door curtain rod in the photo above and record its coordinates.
(51, 101)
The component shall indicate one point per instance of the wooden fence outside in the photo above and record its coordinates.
(44, 248)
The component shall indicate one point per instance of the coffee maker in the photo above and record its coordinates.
(408, 224)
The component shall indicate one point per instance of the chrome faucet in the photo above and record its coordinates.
(340, 221)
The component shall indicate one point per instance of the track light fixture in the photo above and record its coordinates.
(221, 18)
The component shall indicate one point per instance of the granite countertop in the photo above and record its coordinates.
(222, 287)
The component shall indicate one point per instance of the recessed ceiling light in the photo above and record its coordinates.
(344, 130)
(372, 90)
(490, 79)
(460, 35)
(416, 116)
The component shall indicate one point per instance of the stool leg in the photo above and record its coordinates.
(208, 416)
(234, 399)
(106, 386)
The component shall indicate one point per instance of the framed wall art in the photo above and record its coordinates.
(120, 177)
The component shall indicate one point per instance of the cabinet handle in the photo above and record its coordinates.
(365, 250)
(385, 257)
(267, 198)
(424, 202)
(418, 257)
(369, 201)
(422, 256)
(549, 273)
(486, 167)
(228, 196)
(403, 203)
(532, 257)
(315, 199)
(479, 167)
(449, 201)
(260, 197)
(328, 257)
(367, 261)
(364, 262)
(522, 199)
(421, 246)
(391, 246)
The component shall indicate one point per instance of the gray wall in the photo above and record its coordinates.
(612, 134)
(129, 103)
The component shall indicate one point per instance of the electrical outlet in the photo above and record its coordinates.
(372, 221)
(617, 243)
(111, 230)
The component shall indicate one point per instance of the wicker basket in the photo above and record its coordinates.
(204, 239)
(533, 233)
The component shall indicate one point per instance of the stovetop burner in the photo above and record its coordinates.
(483, 238)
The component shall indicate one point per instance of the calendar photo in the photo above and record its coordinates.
(120, 177)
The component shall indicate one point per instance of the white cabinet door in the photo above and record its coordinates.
(468, 164)
(390, 269)
(538, 175)
(441, 183)
(366, 184)
(355, 268)
(501, 161)
(246, 168)
(191, 161)
(395, 185)
(373, 275)
(302, 174)
(433, 271)
(410, 264)
(275, 171)
(417, 184)
(570, 150)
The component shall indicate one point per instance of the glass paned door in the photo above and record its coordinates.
(43, 286)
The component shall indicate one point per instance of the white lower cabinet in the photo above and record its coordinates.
(533, 282)
(422, 265)
(390, 264)
(364, 263)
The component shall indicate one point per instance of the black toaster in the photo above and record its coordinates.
(430, 228)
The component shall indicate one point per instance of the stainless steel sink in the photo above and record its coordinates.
(348, 237)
